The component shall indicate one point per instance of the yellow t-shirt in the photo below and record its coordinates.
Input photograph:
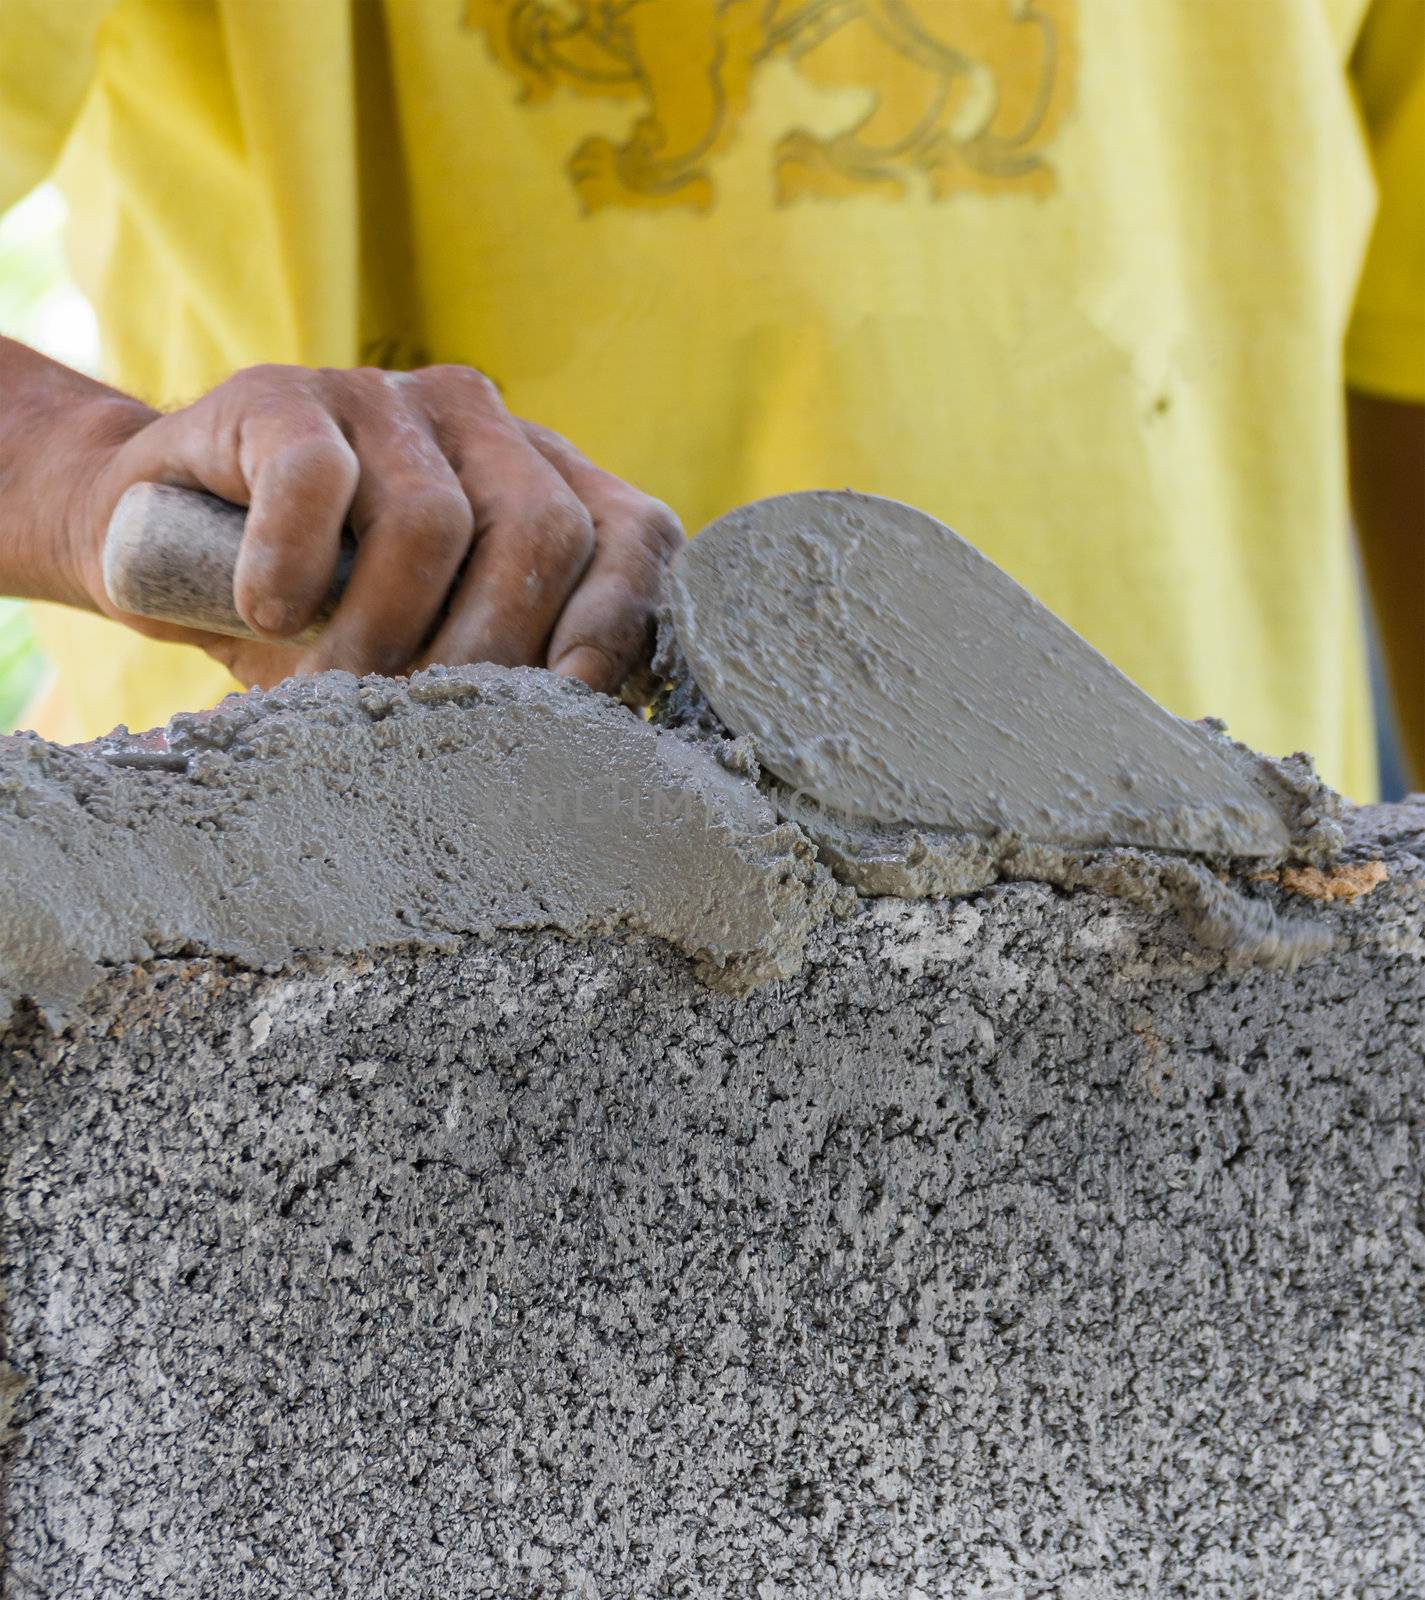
(1073, 275)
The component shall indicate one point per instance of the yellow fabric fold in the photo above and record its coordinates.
(1385, 347)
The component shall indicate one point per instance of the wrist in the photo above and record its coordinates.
(59, 432)
(95, 434)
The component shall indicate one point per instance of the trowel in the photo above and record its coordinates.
(884, 668)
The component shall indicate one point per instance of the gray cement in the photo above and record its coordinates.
(1012, 1247)
(1211, 893)
(335, 815)
(888, 670)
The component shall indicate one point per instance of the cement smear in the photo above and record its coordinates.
(885, 667)
(333, 815)
(1217, 896)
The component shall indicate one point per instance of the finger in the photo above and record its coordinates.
(255, 665)
(413, 528)
(532, 551)
(301, 474)
(606, 629)
(262, 440)
(596, 487)
(533, 542)
(253, 662)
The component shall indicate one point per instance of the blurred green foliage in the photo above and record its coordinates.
(21, 665)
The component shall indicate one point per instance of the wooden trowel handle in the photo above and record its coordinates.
(170, 555)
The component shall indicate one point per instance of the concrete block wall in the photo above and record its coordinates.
(1010, 1246)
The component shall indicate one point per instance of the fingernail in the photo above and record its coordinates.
(588, 663)
(273, 616)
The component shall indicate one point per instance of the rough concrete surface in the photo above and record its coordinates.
(1014, 1246)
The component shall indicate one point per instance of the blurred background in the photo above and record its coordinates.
(40, 305)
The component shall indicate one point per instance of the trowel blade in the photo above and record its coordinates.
(888, 670)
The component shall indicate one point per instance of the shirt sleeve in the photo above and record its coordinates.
(1385, 345)
(47, 50)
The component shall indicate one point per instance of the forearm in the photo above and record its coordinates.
(1387, 443)
(56, 426)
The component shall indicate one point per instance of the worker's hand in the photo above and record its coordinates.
(479, 537)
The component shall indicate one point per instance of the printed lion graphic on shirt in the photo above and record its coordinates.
(964, 94)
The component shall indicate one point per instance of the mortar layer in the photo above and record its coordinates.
(331, 815)
(1213, 894)
(887, 669)
(1014, 1247)
(334, 815)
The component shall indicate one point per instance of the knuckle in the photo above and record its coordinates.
(660, 527)
(565, 529)
(318, 454)
(628, 619)
(640, 556)
(544, 438)
(267, 376)
(638, 516)
(439, 519)
(361, 383)
(369, 376)
(468, 384)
